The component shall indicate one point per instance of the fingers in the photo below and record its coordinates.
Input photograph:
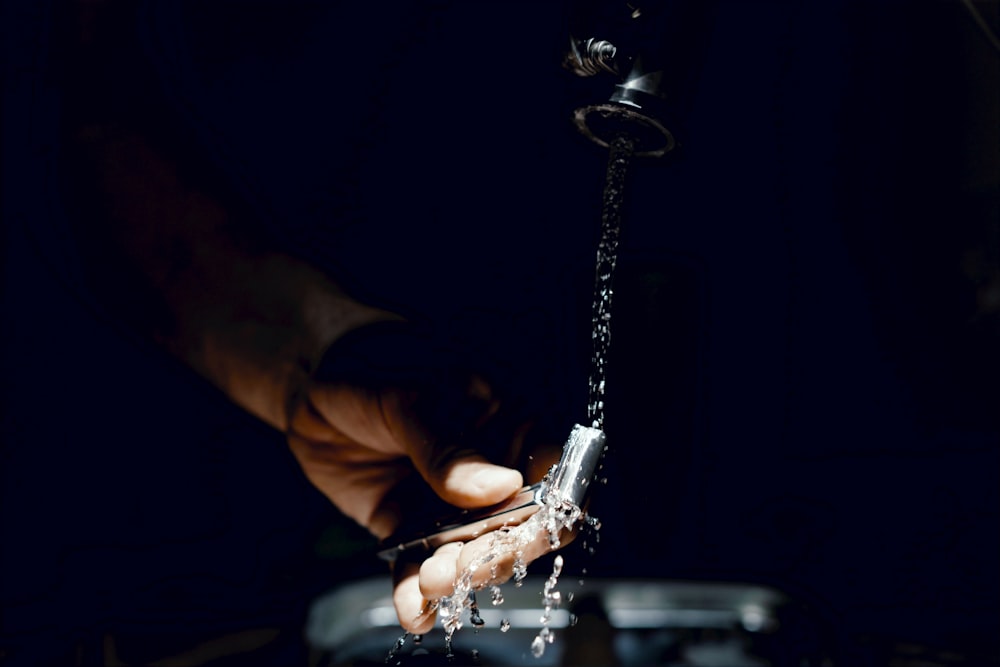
(415, 613)
(443, 431)
(491, 558)
(358, 490)
(419, 586)
(470, 481)
(439, 572)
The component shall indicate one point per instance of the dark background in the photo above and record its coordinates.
(803, 386)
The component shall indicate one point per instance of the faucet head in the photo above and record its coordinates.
(601, 123)
(640, 43)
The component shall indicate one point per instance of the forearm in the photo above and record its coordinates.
(260, 332)
(254, 321)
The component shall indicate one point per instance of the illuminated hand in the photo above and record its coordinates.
(388, 407)
(255, 321)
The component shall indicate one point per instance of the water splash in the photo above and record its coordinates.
(396, 648)
(474, 617)
(551, 599)
(555, 515)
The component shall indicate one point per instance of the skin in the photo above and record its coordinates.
(356, 444)
(260, 324)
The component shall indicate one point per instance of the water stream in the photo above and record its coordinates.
(620, 155)
(557, 514)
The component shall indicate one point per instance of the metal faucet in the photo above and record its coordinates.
(625, 40)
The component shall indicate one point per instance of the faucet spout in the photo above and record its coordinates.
(641, 43)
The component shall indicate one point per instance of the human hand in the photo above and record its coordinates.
(385, 407)
(392, 405)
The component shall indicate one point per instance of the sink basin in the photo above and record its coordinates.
(601, 622)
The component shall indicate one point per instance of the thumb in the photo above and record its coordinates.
(457, 473)
(467, 480)
(449, 432)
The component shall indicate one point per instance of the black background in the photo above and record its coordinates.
(803, 385)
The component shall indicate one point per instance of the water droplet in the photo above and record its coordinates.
(555, 515)
(449, 651)
(396, 648)
(474, 617)
(538, 647)
(520, 571)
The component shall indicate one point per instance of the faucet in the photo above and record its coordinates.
(640, 43)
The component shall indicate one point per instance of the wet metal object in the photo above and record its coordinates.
(568, 481)
(571, 477)
(633, 110)
(601, 123)
(591, 56)
(627, 45)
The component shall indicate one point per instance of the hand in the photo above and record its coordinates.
(254, 321)
(390, 403)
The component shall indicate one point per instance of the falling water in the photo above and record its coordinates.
(621, 148)
(556, 514)
(396, 648)
(550, 600)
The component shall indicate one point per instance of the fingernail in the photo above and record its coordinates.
(495, 478)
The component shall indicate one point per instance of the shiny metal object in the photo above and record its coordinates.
(601, 123)
(589, 57)
(637, 104)
(568, 481)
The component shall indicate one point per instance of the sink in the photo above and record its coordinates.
(644, 622)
